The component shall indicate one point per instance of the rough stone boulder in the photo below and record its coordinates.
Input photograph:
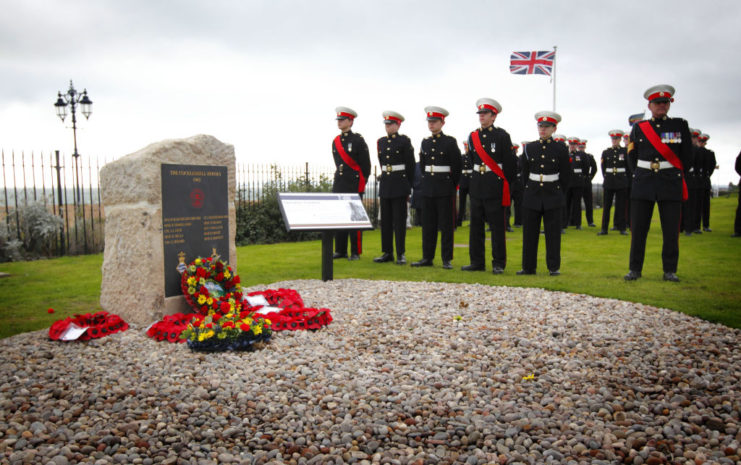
(133, 284)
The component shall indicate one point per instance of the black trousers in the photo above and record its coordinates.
(356, 240)
(705, 206)
(620, 197)
(670, 213)
(573, 205)
(491, 212)
(437, 214)
(588, 203)
(626, 212)
(531, 235)
(517, 204)
(462, 200)
(737, 222)
(393, 225)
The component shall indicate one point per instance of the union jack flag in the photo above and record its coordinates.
(540, 62)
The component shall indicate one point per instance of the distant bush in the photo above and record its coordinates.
(31, 236)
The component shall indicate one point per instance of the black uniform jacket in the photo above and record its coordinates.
(693, 173)
(347, 179)
(709, 162)
(579, 169)
(440, 150)
(545, 157)
(592, 168)
(466, 166)
(498, 145)
(395, 150)
(614, 159)
(662, 184)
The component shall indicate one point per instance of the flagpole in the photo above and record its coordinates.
(554, 77)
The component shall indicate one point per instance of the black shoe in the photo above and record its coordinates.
(578, 228)
(447, 265)
(688, 233)
(592, 225)
(554, 273)
(423, 262)
(697, 231)
(707, 229)
(613, 228)
(473, 268)
(402, 260)
(624, 233)
(386, 257)
(736, 235)
(509, 229)
(521, 272)
(339, 255)
(632, 275)
(497, 270)
(671, 277)
(602, 233)
(354, 257)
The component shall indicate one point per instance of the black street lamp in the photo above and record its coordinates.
(73, 98)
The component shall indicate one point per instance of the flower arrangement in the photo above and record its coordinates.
(170, 327)
(99, 324)
(210, 286)
(292, 315)
(235, 329)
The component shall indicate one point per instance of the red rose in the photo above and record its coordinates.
(228, 324)
(209, 325)
(244, 327)
(220, 277)
(244, 314)
(219, 266)
(216, 316)
(225, 307)
(237, 280)
(51, 310)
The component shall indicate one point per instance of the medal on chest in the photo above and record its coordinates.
(671, 137)
(493, 146)
(349, 146)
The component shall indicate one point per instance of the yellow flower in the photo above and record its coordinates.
(201, 337)
(208, 334)
(210, 300)
(198, 261)
(257, 330)
(202, 281)
(201, 299)
(457, 318)
(229, 315)
(268, 322)
(191, 281)
(227, 275)
(191, 290)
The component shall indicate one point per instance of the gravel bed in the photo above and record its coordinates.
(408, 373)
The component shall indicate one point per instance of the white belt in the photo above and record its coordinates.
(615, 170)
(481, 168)
(577, 170)
(437, 169)
(466, 171)
(544, 177)
(654, 165)
(390, 168)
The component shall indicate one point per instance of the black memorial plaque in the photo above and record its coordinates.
(195, 217)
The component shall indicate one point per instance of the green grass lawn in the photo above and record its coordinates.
(708, 267)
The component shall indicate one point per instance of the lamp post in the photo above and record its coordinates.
(73, 98)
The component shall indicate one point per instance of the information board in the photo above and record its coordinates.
(195, 217)
(318, 211)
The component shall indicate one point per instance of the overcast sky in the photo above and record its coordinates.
(266, 75)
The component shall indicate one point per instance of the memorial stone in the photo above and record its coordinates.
(164, 206)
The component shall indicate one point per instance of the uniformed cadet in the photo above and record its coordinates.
(692, 208)
(494, 168)
(546, 172)
(464, 185)
(516, 189)
(616, 175)
(588, 176)
(351, 157)
(396, 157)
(440, 160)
(709, 166)
(579, 169)
(659, 149)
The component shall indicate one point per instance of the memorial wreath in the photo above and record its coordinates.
(234, 330)
(210, 285)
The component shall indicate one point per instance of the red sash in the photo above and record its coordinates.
(665, 152)
(350, 162)
(492, 166)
